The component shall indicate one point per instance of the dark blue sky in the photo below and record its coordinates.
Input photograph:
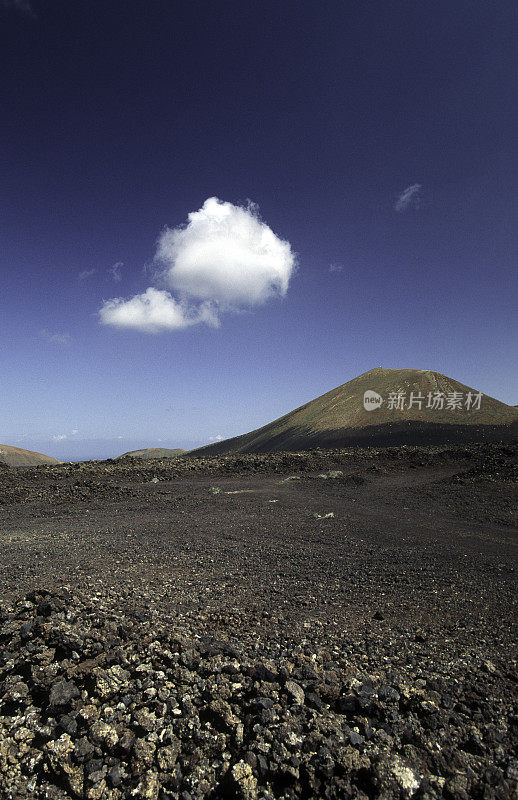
(119, 119)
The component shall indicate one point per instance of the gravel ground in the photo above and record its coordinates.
(332, 624)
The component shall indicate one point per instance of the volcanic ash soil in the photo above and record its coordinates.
(336, 625)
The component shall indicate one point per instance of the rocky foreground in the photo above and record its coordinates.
(364, 654)
(102, 701)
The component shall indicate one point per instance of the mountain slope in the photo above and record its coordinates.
(339, 417)
(154, 452)
(16, 457)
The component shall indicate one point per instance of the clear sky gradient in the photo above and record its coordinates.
(379, 139)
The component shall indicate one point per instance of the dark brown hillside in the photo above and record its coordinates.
(339, 417)
(154, 452)
(16, 457)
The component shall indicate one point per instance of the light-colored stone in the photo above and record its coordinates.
(244, 780)
(405, 777)
(295, 691)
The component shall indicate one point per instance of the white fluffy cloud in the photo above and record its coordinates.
(225, 258)
(227, 254)
(409, 197)
(153, 311)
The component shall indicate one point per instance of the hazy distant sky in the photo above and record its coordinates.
(211, 213)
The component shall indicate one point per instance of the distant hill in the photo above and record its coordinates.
(16, 457)
(339, 417)
(154, 452)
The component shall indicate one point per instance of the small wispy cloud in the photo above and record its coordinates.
(115, 271)
(56, 338)
(23, 6)
(218, 438)
(74, 432)
(85, 274)
(409, 198)
(60, 437)
(335, 267)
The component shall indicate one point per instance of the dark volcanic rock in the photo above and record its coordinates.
(62, 693)
(181, 719)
